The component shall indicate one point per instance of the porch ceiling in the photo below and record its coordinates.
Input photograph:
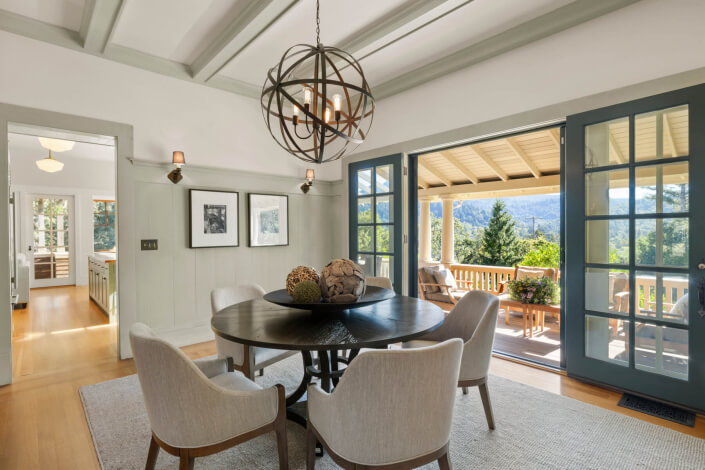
(530, 163)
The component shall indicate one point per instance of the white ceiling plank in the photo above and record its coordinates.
(98, 23)
(515, 187)
(436, 173)
(523, 157)
(489, 162)
(546, 25)
(459, 166)
(669, 135)
(555, 137)
(615, 148)
(422, 182)
(256, 18)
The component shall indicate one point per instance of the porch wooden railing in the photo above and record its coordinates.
(478, 277)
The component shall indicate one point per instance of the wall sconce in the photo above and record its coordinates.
(179, 161)
(309, 181)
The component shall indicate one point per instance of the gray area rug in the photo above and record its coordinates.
(535, 430)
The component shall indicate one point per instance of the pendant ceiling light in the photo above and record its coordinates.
(316, 101)
(50, 164)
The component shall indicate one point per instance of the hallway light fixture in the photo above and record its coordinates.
(316, 101)
(179, 160)
(49, 164)
(309, 181)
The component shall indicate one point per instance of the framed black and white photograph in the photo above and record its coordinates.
(213, 218)
(268, 219)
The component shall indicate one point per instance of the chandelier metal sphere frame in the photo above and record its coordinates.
(316, 101)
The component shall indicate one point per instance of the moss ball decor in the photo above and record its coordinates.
(306, 292)
(298, 274)
(342, 281)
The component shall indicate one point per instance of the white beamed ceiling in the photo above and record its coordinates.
(231, 44)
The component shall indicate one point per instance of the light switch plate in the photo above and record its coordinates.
(147, 245)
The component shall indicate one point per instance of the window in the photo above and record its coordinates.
(103, 225)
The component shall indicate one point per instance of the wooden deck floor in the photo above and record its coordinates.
(544, 346)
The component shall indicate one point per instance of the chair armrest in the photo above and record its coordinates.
(212, 367)
(447, 286)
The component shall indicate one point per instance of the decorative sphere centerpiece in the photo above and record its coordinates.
(299, 274)
(342, 281)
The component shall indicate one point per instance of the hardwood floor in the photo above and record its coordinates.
(42, 424)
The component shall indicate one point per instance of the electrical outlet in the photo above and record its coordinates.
(149, 245)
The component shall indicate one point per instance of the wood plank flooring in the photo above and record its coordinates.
(42, 424)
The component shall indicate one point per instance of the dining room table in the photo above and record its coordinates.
(265, 324)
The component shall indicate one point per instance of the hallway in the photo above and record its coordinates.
(60, 329)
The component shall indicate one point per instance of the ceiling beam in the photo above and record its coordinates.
(617, 151)
(255, 19)
(422, 182)
(558, 20)
(554, 134)
(489, 162)
(459, 166)
(669, 135)
(436, 173)
(100, 17)
(515, 187)
(523, 157)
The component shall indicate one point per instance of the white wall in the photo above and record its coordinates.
(174, 282)
(213, 127)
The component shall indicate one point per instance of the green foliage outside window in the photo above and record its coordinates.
(104, 225)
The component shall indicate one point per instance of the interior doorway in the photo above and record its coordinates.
(488, 215)
(63, 187)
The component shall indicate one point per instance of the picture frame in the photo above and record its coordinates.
(214, 218)
(268, 219)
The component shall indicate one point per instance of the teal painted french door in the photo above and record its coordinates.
(375, 219)
(635, 246)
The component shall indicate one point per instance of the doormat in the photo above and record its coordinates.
(655, 408)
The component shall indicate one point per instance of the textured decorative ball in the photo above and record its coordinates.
(298, 274)
(342, 281)
(306, 292)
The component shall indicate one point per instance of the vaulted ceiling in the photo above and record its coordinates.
(230, 44)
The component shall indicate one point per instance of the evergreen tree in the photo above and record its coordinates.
(500, 245)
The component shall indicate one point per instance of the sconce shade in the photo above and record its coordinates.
(309, 174)
(179, 158)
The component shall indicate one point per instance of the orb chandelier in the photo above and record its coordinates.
(316, 101)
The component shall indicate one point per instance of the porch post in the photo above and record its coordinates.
(425, 231)
(447, 235)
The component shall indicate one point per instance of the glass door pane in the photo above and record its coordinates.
(632, 214)
(52, 247)
(375, 217)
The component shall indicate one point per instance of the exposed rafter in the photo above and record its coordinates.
(256, 18)
(617, 151)
(553, 22)
(514, 187)
(98, 23)
(422, 182)
(459, 166)
(554, 134)
(523, 157)
(669, 135)
(489, 162)
(436, 173)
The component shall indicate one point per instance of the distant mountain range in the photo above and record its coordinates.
(476, 214)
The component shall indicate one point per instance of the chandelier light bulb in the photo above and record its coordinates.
(336, 102)
(307, 95)
(327, 115)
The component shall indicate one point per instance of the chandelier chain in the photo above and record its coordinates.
(318, 23)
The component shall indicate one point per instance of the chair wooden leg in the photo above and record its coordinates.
(261, 372)
(444, 462)
(465, 390)
(280, 429)
(310, 448)
(485, 395)
(185, 461)
(152, 455)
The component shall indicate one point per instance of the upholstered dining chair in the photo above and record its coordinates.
(391, 409)
(198, 408)
(473, 320)
(384, 282)
(247, 359)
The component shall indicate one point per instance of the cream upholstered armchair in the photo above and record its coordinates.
(384, 282)
(473, 320)
(199, 408)
(246, 359)
(390, 407)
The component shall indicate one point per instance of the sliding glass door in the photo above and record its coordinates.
(635, 246)
(376, 217)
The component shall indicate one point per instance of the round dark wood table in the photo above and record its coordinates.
(264, 324)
